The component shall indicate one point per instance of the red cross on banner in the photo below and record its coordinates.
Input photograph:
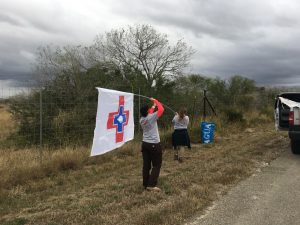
(118, 120)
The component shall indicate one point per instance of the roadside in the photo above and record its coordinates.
(268, 197)
(107, 189)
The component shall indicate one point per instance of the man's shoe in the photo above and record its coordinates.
(154, 189)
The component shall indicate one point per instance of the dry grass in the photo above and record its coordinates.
(7, 125)
(19, 167)
(70, 188)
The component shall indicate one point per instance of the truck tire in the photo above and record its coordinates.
(295, 147)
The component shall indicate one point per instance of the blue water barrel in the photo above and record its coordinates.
(207, 132)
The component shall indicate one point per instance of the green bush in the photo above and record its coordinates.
(234, 115)
(69, 104)
(268, 111)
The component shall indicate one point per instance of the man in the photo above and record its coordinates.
(151, 148)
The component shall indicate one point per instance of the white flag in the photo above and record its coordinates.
(289, 102)
(114, 121)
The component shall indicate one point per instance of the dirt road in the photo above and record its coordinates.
(269, 197)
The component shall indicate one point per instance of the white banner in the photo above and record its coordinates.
(289, 103)
(114, 121)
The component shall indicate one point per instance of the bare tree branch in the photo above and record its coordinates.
(144, 49)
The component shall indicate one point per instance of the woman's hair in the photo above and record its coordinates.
(182, 113)
(144, 110)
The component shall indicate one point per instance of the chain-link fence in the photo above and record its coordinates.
(47, 118)
(57, 118)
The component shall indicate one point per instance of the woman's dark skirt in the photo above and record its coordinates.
(181, 137)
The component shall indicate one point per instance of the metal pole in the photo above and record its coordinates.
(142, 96)
(41, 124)
(139, 130)
(161, 102)
(193, 113)
(204, 105)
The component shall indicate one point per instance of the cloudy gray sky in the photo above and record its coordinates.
(254, 38)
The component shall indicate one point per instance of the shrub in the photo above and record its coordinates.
(234, 115)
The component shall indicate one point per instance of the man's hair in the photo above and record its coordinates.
(144, 110)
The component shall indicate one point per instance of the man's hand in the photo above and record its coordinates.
(154, 104)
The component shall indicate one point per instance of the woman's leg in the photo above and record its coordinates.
(181, 153)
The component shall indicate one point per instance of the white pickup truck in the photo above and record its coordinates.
(287, 117)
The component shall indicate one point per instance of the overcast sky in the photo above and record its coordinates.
(258, 39)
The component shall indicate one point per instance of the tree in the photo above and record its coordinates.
(67, 62)
(129, 60)
(241, 91)
(218, 92)
(146, 51)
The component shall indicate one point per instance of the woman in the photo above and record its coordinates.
(180, 136)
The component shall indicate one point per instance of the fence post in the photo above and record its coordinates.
(139, 129)
(204, 105)
(41, 123)
(193, 113)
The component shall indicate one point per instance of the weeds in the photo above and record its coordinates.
(7, 124)
(65, 186)
(19, 167)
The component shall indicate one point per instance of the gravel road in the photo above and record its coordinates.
(269, 197)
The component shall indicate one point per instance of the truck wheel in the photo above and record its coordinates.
(295, 146)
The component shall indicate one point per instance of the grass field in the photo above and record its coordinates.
(66, 186)
(6, 122)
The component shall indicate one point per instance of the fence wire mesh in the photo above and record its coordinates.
(54, 118)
